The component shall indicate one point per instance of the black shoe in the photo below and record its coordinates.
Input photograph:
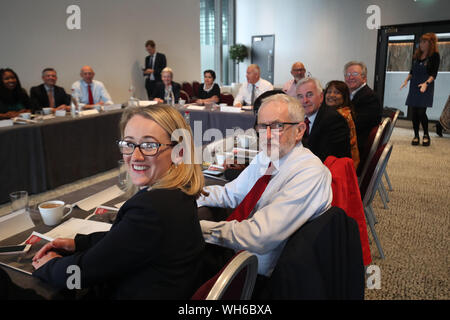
(426, 141)
(415, 141)
(439, 129)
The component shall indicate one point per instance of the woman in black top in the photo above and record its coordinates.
(13, 98)
(154, 248)
(209, 92)
(421, 89)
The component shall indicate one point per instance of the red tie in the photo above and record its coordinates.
(307, 122)
(246, 206)
(91, 98)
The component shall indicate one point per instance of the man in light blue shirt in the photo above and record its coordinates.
(90, 92)
(299, 189)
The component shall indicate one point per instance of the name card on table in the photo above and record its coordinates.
(191, 107)
(112, 107)
(6, 123)
(99, 198)
(230, 109)
(87, 112)
(15, 223)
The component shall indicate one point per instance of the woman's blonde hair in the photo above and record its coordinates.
(186, 176)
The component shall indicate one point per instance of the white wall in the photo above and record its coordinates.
(325, 34)
(111, 40)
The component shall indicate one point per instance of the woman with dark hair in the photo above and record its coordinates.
(337, 94)
(423, 72)
(13, 98)
(209, 92)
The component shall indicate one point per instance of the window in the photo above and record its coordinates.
(216, 35)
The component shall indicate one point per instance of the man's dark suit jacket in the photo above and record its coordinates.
(330, 135)
(368, 111)
(153, 251)
(39, 97)
(321, 260)
(160, 90)
(160, 64)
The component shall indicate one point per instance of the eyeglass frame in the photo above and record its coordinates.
(354, 74)
(139, 146)
(274, 123)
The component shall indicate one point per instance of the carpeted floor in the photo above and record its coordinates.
(414, 231)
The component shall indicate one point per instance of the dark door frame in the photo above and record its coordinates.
(384, 32)
(273, 54)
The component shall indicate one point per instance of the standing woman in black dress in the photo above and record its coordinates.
(421, 89)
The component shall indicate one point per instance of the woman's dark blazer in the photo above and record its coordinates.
(160, 90)
(152, 251)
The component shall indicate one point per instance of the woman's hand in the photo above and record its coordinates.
(158, 100)
(423, 87)
(404, 84)
(60, 244)
(44, 259)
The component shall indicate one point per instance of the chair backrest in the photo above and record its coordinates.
(184, 95)
(234, 282)
(195, 87)
(186, 86)
(226, 98)
(377, 141)
(377, 165)
(394, 118)
(321, 260)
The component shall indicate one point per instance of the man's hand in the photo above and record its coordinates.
(59, 244)
(239, 105)
(148, 71)
(49, 256)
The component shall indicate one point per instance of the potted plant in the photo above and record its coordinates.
(238, 52)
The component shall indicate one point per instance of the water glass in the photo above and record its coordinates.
(19, 200)
(123, 175)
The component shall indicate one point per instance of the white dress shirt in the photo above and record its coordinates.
(290, 88)
(299, 190)
(352, 94)
(245, 91)
(99, 92)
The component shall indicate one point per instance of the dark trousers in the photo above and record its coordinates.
(419, 116)
(150, 86)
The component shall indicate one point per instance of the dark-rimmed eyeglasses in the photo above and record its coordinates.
(278, 126)
(146, 148)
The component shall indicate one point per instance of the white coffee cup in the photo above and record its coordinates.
(26, 115)
(52, 211)
(221, 158)
(223, 105)
(181, 102)
(47, 110)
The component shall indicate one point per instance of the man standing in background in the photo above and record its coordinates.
(298, 72)
(155, 62)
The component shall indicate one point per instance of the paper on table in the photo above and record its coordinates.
(6, 123)
(99, 198)
(119, 205)
(88, 112)
(74, 226)
(15, 223)
(143, 103)
(192, 107)
(231, 109)
(112, 107)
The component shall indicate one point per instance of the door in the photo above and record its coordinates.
(395, 48)
(263, 55)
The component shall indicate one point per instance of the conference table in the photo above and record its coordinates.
(43, 289)
(42, 156)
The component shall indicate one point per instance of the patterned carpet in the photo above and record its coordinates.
(414, 231)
